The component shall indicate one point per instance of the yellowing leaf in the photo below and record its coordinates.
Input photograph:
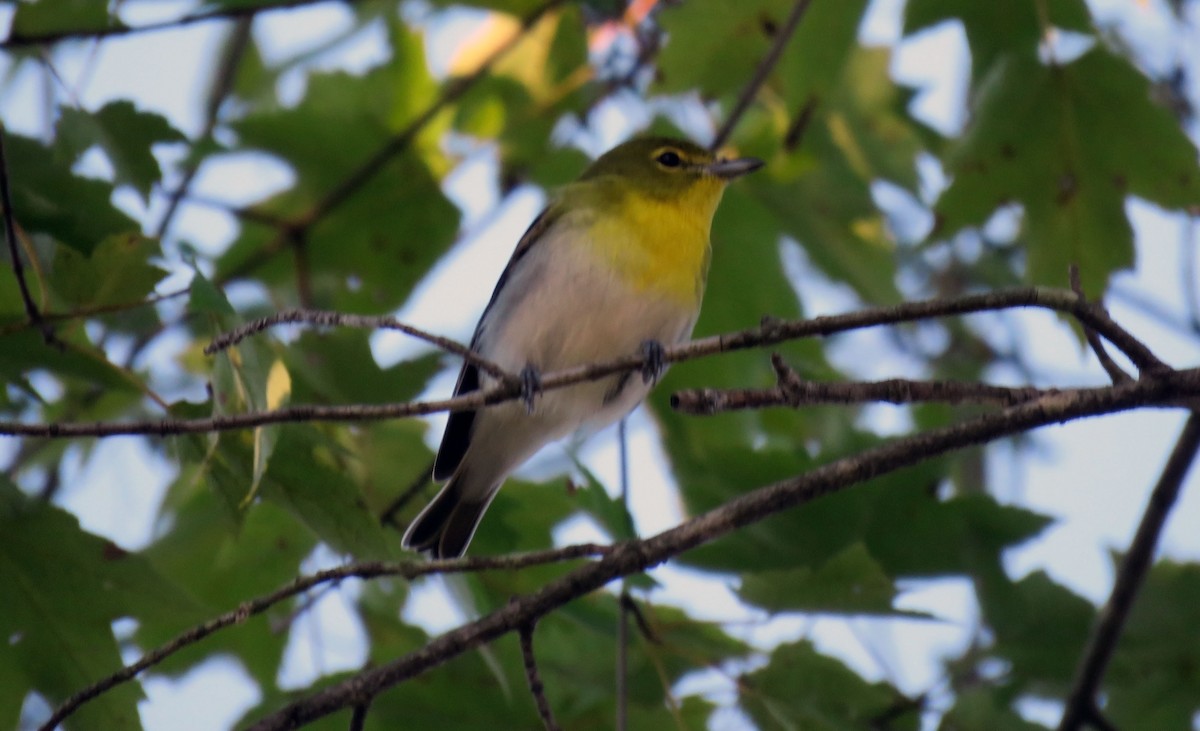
(478, 46)
(279, 385)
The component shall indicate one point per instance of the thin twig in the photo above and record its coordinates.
(622, 669)
(338, 319)
(761, 73)
(358, 720)
(1082, 705)
(1147, 305)
(636, 556)
(16, 40)
(535, 681)
(366, 570)
(1189, 272)
(94, 310)
(631, 608)
(622, 694)
(10, 237)
(799, 126)
(1110, 366)
(405, 497)
(231, 56)
(769, 333)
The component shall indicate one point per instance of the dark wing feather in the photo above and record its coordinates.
(457, 436)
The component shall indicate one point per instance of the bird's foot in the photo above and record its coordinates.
(653, 363)
(531, 385)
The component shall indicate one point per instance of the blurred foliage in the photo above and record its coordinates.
(1055, 142)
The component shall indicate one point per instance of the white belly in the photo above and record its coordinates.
(563, 310)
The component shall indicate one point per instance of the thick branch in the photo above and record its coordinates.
(368, 570)
(638, 555)
(1082, 706)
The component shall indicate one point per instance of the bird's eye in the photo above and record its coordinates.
(669, 159)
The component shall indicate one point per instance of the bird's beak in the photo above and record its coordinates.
(730, 169)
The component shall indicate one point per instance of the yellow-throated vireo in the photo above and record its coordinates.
(615, 264)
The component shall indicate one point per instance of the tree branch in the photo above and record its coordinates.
(366, 570)
(638, 555)
(761, 73)
(10, 237)
(231, 55)
(535, 681)
(794, 391)
(94, 310)
(1082, 705)
(16, 40)
(1110, 366)
(423, 478)
(770, 333)
(358, 719)
(380, 322)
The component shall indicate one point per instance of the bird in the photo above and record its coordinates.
(615, 264)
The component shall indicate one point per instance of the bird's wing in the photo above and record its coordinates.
(457, 436)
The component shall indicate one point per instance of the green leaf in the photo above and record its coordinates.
(59, 643)
(14, 686)
(523, 515)
(79, 361)
(813, 61)
(223, 564)
(611, 513)
(980, 709)
(1045, 137)
(49, 198)
(390, 456)
(898, 517)
(803, 689)
(699, 57)
(1040, 629)
(542, 57)
(205, 298)
(1154, 680)
(851, 582)
(338, 367)
(996, 29)
(369, 250)
(126, 135)
(304, 477)
(241, 382)
(574, 651)
(118, 271)
(865, 120)
(46, 17)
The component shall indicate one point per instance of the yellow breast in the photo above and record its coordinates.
(659, 246)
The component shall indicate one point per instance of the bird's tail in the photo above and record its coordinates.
(447, 524)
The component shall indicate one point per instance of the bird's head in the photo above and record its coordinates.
(666, 168)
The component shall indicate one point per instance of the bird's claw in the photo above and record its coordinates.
(531, 385)
(653, 361)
